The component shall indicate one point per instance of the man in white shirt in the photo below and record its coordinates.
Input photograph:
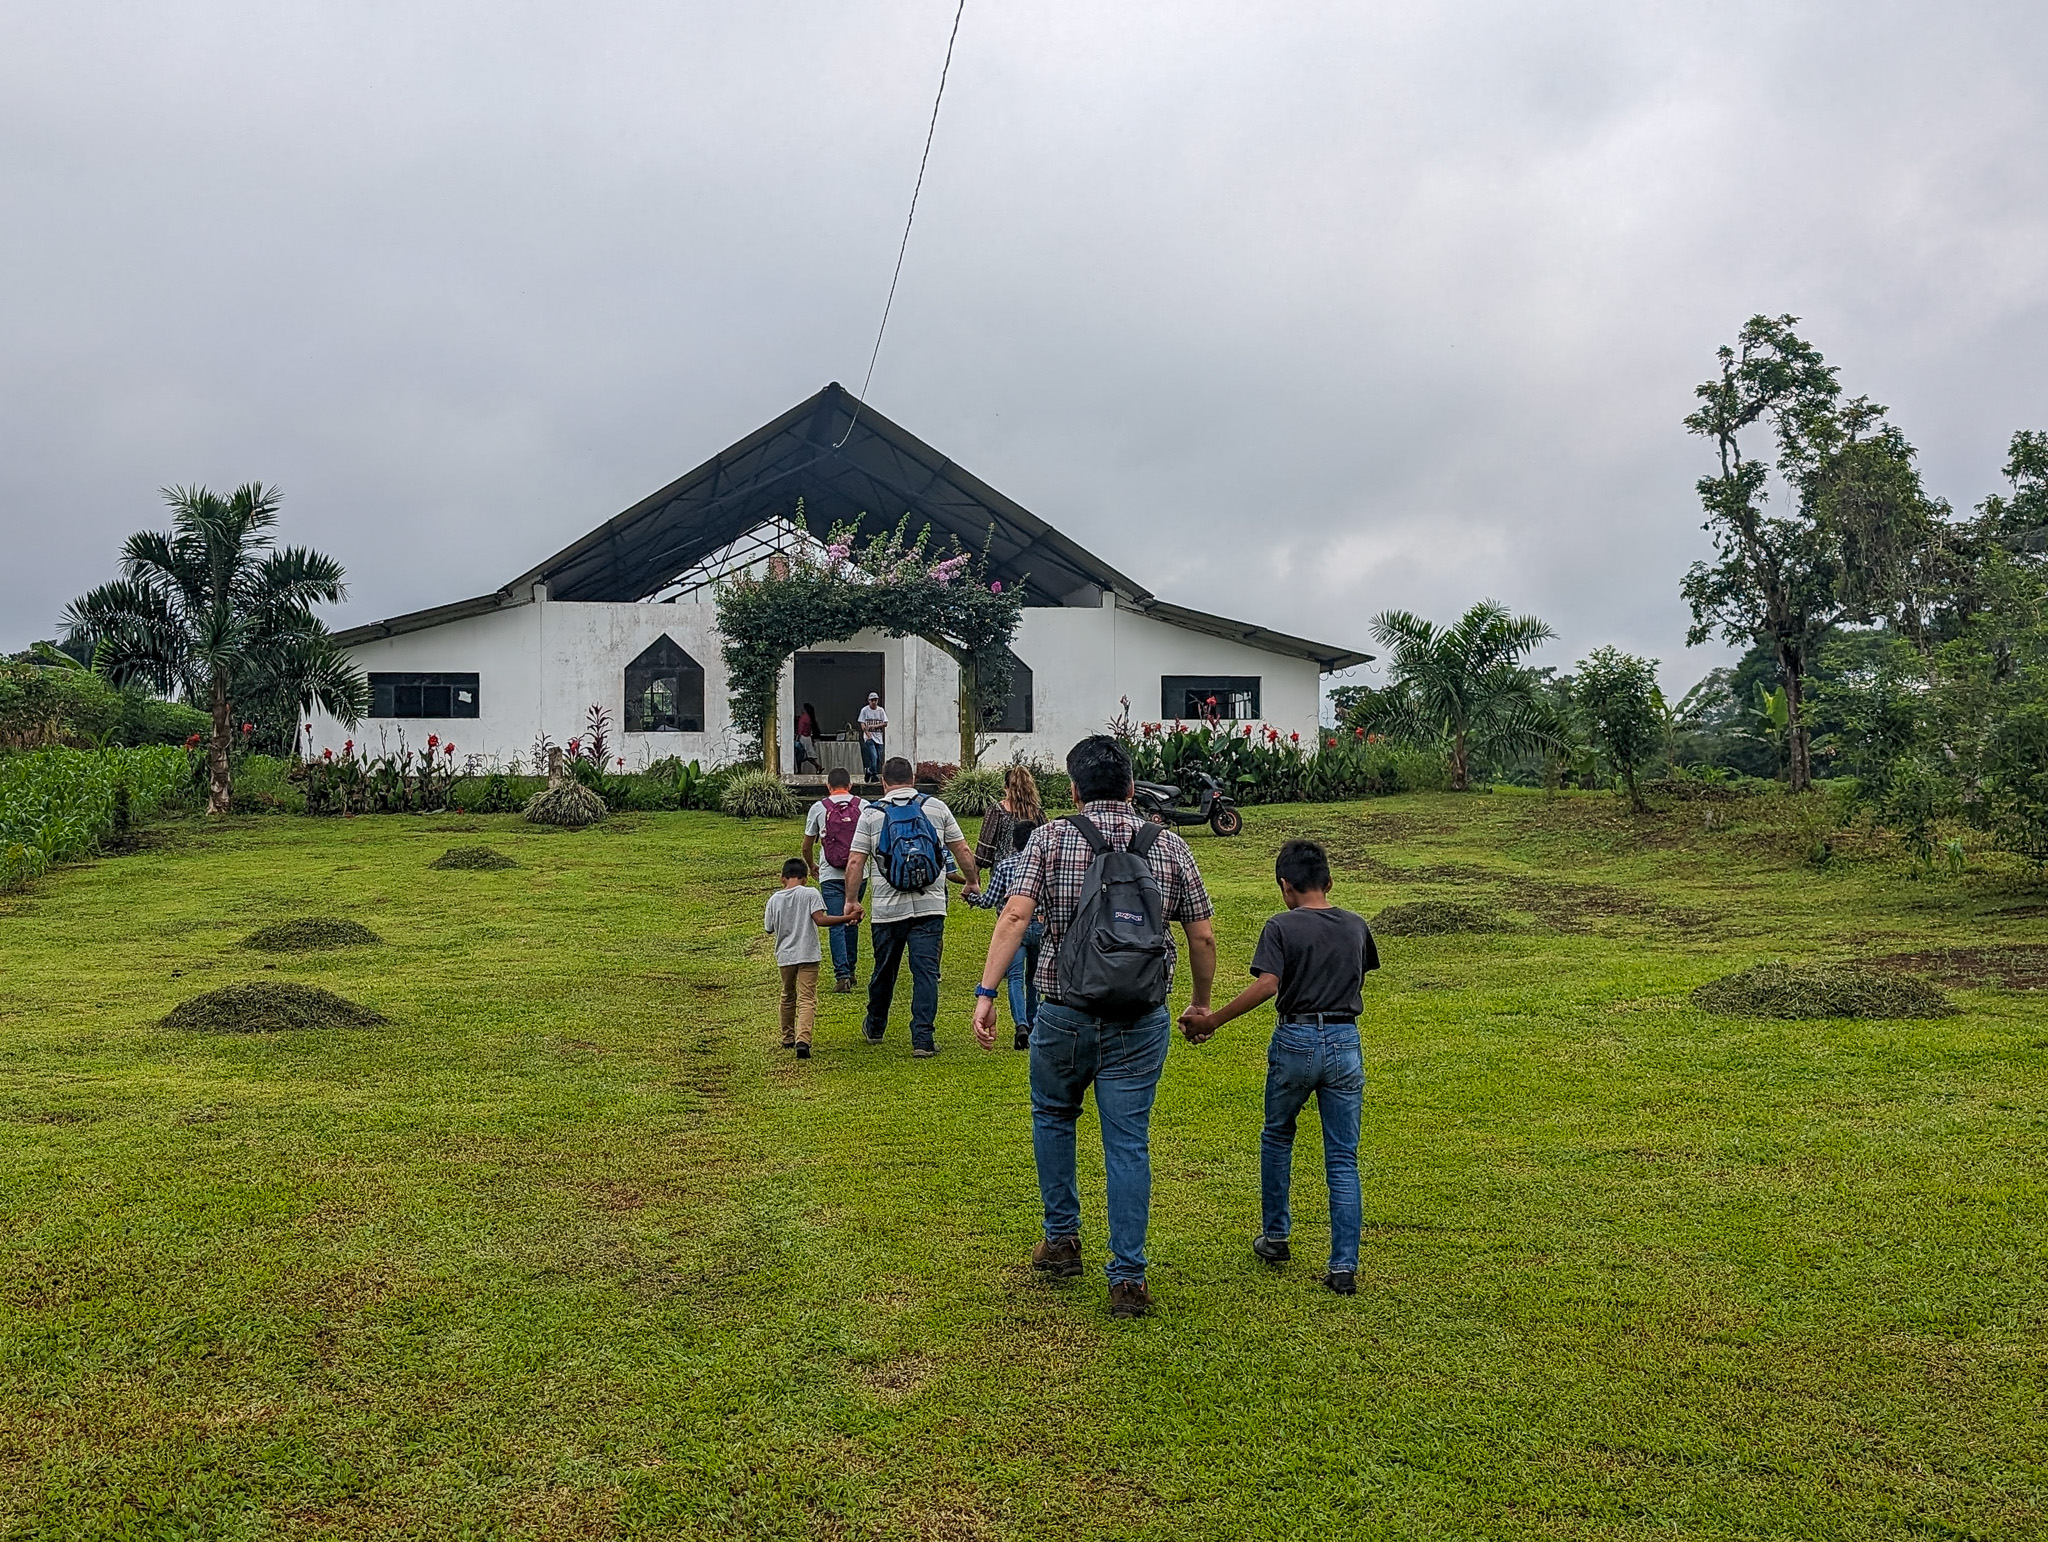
(904, 921)
(828, 833)
(874, 730)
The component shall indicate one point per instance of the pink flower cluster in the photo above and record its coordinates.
(945, 572)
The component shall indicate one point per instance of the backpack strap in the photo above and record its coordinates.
(1144, 838)
(1097, 841)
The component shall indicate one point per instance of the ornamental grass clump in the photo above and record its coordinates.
(569, 804)
(1436, 918)
(975, 790)
(270, 1006)
(757, 795)
(309, 934)
(472, 859)
(1820, 990)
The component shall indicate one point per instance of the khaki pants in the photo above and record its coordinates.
(799, 1002)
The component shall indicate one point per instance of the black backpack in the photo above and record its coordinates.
(1116, 960)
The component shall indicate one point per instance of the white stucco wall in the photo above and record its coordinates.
(541, 665)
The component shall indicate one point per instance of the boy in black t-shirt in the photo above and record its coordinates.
(1314, 958)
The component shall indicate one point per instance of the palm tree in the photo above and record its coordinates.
(212, 611)
(1462, 687)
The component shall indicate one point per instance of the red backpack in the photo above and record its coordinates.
(842, 818)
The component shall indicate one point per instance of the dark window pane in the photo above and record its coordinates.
(394, 694)
(1190, 698)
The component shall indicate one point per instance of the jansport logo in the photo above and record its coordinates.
(1128, 917)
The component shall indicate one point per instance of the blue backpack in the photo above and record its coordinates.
(908, 846)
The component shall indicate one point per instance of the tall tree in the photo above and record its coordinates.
(213, 610)
(1855, 519)
(1617, 693)
(1463, 686)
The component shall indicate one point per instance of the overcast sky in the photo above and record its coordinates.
(1292, 312)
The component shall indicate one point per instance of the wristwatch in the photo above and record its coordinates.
(985, 990)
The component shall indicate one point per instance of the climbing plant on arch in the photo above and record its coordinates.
(890, 583)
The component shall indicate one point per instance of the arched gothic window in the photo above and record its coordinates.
(664, 691)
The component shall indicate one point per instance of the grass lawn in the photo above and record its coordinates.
(569, 1249)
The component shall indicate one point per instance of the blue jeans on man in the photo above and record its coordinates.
(845, 939)
(923, 938)
(1023, 976)
(1070, 1051)
(1319, 1060)
(871, 757)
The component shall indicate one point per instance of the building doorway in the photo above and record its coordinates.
(837, 685)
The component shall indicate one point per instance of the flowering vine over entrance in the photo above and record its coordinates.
(890, 583)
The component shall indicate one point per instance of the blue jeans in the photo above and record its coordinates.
(871, 758)
(845, 939)
(1023, 977)
(1320, 1061)
(923, 938)
(1069, 1051)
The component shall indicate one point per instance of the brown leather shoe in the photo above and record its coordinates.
(1129, 1298)
(1060, 1258)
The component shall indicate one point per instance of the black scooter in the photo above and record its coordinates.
(1203, 803)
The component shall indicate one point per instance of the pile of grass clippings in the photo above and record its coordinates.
(472, 859)
(309, 934)
(1436, 918)
(1821, 990)
(269, 1006)
(569, 804)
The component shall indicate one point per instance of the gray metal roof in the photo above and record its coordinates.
(879, 473)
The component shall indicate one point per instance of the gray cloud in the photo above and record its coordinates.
(1292, 312)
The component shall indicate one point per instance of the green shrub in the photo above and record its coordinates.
(44, 705)
(496, 793)
(263, 785)
(974, 791)
(757, 795)
(152, 720)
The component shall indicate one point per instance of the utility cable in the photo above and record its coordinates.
(944, 70)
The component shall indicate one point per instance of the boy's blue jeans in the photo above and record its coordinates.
(1319, 1060)
(871, 758)
(1070, 1051)
(845, 939)
(1023, 977)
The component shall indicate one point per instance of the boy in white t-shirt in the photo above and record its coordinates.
(794, 914)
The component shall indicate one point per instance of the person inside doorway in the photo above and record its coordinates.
(807, 738)
(874, 735)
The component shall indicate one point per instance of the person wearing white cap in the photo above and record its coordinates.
(874, 732)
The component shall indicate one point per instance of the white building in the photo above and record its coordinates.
(625, 619)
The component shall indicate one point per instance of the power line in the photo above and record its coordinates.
(944, 70)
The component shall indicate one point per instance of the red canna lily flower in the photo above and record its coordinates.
(1333, 744)
(327, 754)
(1358, 733)
(248, 728)
(575, 746)
(347, 745)
(192, 743)
(622, 762)
(448, 749)
(432, 740)
(1297, 739)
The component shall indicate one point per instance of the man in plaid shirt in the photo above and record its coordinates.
(1071, 1050)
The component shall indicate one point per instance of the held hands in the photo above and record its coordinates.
(1199, 1025)
(852, 911)
(985, 1021)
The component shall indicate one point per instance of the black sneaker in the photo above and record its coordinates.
(1273, 1249)
(872, 1035)
(1344, 1282)
(922, 1054)
(1023, 1039)
(803, 1052)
